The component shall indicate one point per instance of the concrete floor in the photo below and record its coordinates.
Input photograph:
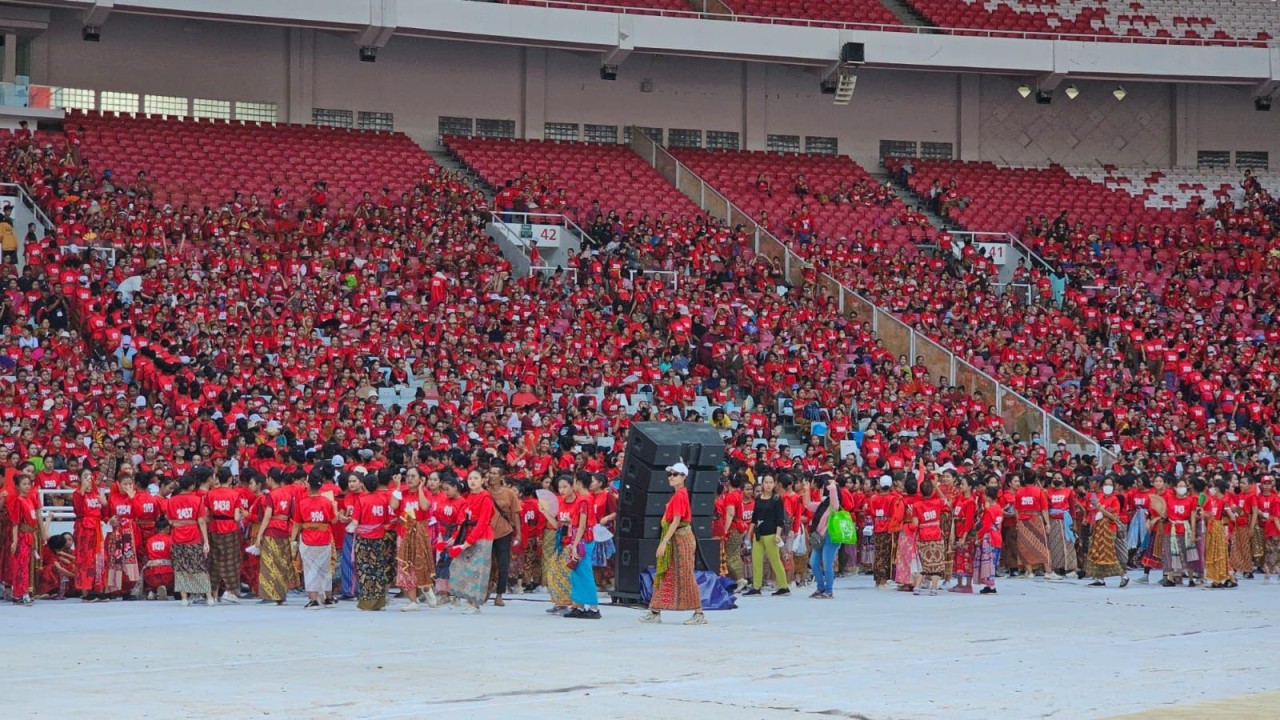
(1035, 650)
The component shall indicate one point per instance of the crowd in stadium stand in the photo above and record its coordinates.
(203, 379)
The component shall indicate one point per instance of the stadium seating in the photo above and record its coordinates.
(1166, 21)
(1165, 313)
(251, 158)
(587, 172)
(1175, 187)
(870, 12)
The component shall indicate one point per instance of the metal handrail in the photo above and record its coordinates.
(881, 27)
(639, 138)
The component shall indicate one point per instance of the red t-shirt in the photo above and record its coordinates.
(1029, 502)
(678, 507)
(373, 512)
(281, 500)
(479, 512)
(992, 520)
(182, 508)
(532, 518)
(928, 513)
(1179, 510)
(1268, 510)
(733, 499)
(314, 509)
(221, 503)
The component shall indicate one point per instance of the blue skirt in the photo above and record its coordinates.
(582, 581)
(602, 554)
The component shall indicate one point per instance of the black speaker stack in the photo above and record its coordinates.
(643, 494)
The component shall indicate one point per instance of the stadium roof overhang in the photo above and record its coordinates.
(617, 35)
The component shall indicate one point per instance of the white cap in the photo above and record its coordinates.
(338, 461)
(886, 481)
(679, 469)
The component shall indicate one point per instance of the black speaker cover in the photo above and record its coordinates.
(637, 501)
(853, 53)
(636, 556)
(649, 527)
(652, 478)
(697, 445)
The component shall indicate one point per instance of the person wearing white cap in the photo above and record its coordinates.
(886, 510)
(674, 585)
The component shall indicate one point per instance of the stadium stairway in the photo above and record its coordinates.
(905, 13)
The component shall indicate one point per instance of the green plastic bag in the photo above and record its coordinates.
(841, 529)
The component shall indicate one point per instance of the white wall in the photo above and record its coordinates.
(421, 79)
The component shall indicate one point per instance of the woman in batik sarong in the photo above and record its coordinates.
(415, 560)
(906, 568)
(473, 557)
(1104, 560)
(1180, 534)
(1217, 568)
(989, 541)
(964, 526)
(675, 587)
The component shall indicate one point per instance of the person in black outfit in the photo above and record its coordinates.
(767, 522)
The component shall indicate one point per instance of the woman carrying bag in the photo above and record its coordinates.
(822, 552)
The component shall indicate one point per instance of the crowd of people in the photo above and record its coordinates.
(235, 352)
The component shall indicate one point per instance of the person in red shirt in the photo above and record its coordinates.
(1104, 561)
(157, 574)
(375, 566)
(1217, 571)
(735, 528)
(313, 517)
(25, 540)
(58, 567)
(534, 523)
(87, 501)
(580, 543)
(473, 557)
(989, 541)
(186, 514)
(930, 544)
(346, 513)
(415, 560)
(1032, 507)
(884, 507)
(1266, 515)
(1181, 533)
(275, 573)
(1062, 550)
(963, 524)
(223, 505)
(675, 586)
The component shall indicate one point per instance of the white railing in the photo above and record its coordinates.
(670, 277)
(1018, 413)
(540, 218)
(881, 27)
(106, 253)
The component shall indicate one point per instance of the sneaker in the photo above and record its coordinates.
(329, 603)
(651, 617)
(411, 607)
(1145, 580)
(498, 602)
(933, 592)
(210, 600)
(27, 601)
(590, 615)
(431, 599)
(987, 591)
(162, 593)
(1124, 582)
(1097, 583)
(575, 613)
(781, 591)
(151, 596)
(311, 605)
(1053, 576)
(229, 597)
(468, 609)
(185, 602)
(815, 594)
(556, 610)
(742, 585)
(697, 619)
(827, 596)
(752, 591)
